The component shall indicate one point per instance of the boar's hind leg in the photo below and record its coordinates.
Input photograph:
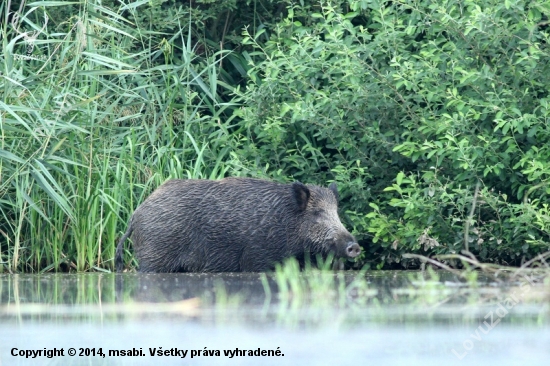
(146, 266)
(159, 261)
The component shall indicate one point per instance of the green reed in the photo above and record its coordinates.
(92, 119)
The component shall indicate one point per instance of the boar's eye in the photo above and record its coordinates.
(317, 213)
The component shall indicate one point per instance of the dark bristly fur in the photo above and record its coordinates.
(234, 224)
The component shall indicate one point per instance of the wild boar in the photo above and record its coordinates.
(234, 225)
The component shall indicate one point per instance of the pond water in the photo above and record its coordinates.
(318, 318)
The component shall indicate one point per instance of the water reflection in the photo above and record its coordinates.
(315, 317)
(306, 299)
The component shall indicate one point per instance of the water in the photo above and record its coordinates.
(385, 318)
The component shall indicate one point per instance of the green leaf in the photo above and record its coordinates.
(399, 178)
(9, 156)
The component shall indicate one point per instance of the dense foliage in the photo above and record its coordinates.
(409, 105)
(433, 117)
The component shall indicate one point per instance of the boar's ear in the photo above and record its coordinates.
(301, 194)
(334, 190)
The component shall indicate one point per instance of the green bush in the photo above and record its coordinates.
(408, 105)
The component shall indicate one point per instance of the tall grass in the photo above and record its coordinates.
(96, 112)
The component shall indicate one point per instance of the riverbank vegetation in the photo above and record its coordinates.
(432, 117)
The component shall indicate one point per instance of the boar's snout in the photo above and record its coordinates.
(353, 250)
(346, 246)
